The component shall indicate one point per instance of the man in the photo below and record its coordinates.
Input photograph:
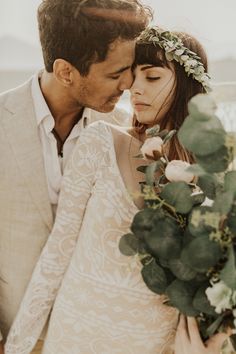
(88, 50)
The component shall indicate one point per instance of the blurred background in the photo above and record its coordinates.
(211, 21)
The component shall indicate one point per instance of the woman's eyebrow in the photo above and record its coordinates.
(147, 67)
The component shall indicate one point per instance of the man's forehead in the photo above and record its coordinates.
(120, 56)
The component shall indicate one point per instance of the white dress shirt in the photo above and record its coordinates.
(54, 164)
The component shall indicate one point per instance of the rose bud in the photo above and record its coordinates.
(176, 171)
(152, 148)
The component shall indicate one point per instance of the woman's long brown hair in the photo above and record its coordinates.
(185, 88)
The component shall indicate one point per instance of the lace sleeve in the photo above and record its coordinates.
(77, 184)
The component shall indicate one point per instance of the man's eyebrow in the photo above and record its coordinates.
(120, 70)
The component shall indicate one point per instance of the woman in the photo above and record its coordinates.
(102, 303)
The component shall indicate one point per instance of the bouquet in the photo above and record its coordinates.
(185, 236)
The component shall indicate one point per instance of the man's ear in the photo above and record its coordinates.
(62, 71)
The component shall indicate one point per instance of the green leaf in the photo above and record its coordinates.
(215, 162)
(231, 222)
(165, 239)
(215, 325)
(142, 168)
(201, 254)
(142, 222)
(201, 302)
(181, 270)
(223, 203)
(198, 198)
(178, 194)
(211, 135)
(209, 184)
(202, 221)
(228, 273)
(150, 171)
(181, 296)
(169, 136)
(153, 131)
(196, 170)
(163, 133)
(129, 245)
(230, 182)
(154, 277)
(202, 106)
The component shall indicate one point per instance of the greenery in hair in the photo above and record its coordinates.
(175, 50)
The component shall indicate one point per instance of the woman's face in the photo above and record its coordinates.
(152, 92)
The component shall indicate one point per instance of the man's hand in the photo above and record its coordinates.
(1, 348)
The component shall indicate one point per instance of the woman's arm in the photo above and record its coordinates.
(188, 339)
(78, 181)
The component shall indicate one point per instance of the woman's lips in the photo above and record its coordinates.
(139, 106)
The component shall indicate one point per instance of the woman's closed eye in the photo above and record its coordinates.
(153, 78)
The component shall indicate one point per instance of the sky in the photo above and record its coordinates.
(211, 21)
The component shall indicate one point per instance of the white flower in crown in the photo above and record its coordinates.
(175, 50)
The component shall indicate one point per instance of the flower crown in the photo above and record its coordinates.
(175, 50)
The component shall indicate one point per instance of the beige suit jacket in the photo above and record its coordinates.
(25, 211)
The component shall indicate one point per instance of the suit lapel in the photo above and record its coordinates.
(22, 132)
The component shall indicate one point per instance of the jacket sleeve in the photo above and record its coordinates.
(78, 181)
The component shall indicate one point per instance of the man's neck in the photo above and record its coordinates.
(65, 112)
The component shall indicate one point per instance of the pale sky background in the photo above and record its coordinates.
(213, 22)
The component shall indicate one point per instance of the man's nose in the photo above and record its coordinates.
(127, 81)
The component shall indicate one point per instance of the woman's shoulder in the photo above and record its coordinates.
(106, 129)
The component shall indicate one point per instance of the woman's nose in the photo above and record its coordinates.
(136, 89)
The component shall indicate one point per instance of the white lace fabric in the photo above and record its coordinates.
(102, 305)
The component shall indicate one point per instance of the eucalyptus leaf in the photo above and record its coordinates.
(165, 239)
(230, 182)
(215, 162)
(178, 194)
(231, 222)
(142, 222)
(181, 270)
(223, 203)
(201, 254)
(198, 198)
(202, 221)
(196, 170)
(202, 106)
(181, 295)
(129, 245)
(211, 135)
(142, 168)
(150, 171)
(201, 302)
(228, 273)
(215, 325)
(169, 136)
(154, 277)
(209, 184)
(153, 131)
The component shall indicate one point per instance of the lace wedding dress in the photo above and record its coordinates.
(102, 304)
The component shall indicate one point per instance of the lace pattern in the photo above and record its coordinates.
(102, 304)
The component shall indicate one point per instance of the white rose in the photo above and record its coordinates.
(219, 296)
(176, 171)
(152, 144)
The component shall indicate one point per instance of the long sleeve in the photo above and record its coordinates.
(78, 181)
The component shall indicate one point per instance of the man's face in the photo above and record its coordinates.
(106, 81)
